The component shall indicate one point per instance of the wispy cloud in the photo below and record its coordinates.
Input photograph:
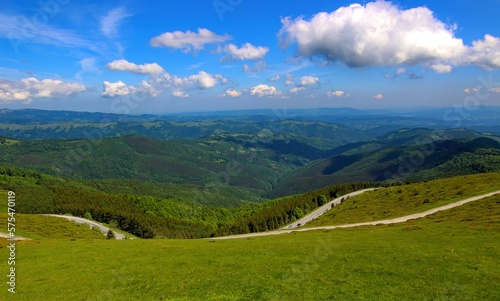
(20, 30)
(111, 22)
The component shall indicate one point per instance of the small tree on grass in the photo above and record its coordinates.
(110, 234)
(87, 215)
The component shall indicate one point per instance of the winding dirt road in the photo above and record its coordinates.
(91, 224)
(78, 220)
(309, 217)
(321, 210)
(396, 220)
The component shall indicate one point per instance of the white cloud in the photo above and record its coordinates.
(276, 78)
(470, 90)
(188, 41)
(289, 80)
(485, 53)
(88, 64)
(111, 22)
(123, 65)
(28, 88)
(441, 68)
(158, 83)
(308, 80)
(400, 70)
(265, 90)
(13, 91)
(179, 93)
(118, 88)
(204, 80)
(246, 52)
(382, 34)
(378, 96)
(475, 90)
(337, 93)
(148, 88)
(258, 67)
(51, 87)
(231, 93)
(297, 89)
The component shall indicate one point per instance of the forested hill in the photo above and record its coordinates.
(441, 158)
(254, 165)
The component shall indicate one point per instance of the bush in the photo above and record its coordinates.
(87, 215)
(110, 234)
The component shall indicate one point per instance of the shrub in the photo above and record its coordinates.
(110, 234)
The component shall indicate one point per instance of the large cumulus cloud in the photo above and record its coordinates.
(382, 34)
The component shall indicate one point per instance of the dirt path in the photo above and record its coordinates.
(379, 222)
(77, 220)
(321, 210)
(91, 224)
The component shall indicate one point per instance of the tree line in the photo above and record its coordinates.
(287, 210)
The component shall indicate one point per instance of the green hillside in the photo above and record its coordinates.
(401, 200)
(441, 158)
(46, 227)
(451, 255)
(155, 216)
(209, 161)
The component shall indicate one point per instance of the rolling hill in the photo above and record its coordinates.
(399, 163)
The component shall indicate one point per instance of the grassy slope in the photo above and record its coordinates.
(452, 255)
(408, 199)
(46, 227)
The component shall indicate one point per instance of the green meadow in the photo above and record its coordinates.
(396, 201)
(451, 255)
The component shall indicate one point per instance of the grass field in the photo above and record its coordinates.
(3, 201)
(452, 255)
(47, 227)
(399, 201)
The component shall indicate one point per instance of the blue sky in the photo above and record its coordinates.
(181, 56)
